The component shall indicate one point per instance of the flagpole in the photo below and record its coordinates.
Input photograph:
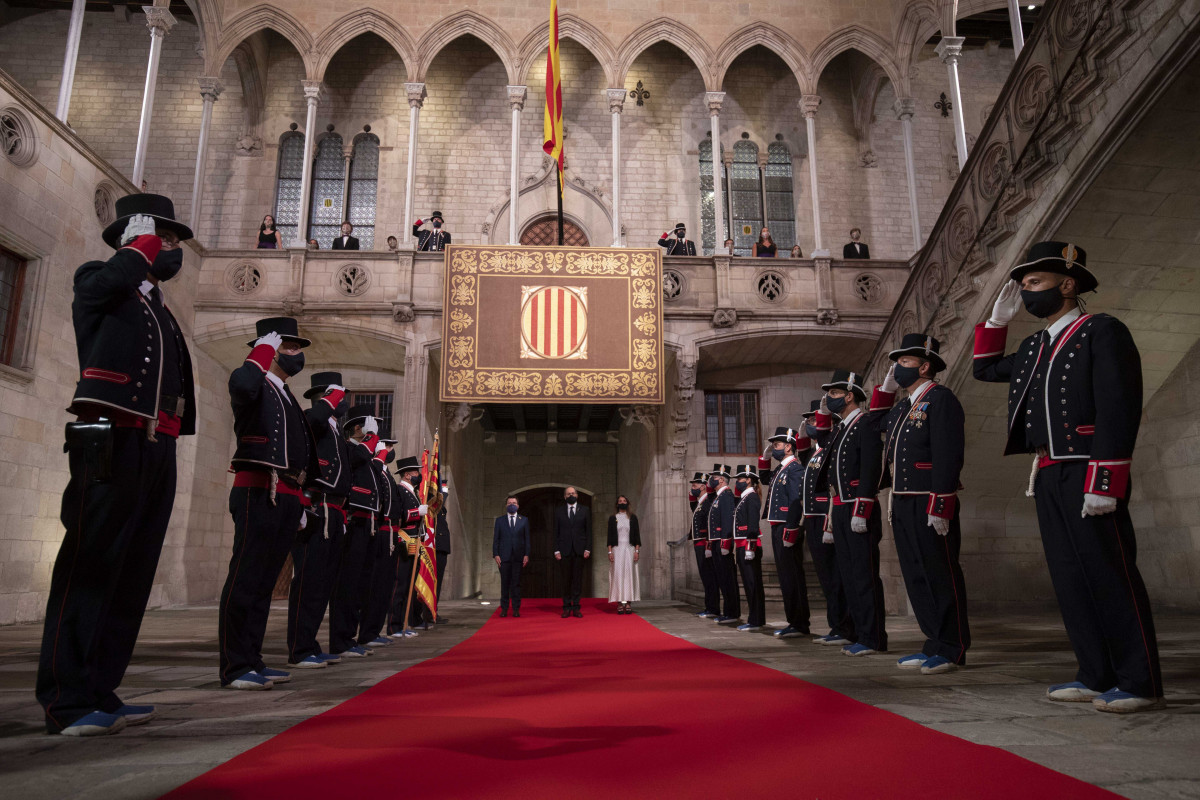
(412, 576)
(560, 213)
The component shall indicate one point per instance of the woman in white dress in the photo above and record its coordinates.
(624, 542)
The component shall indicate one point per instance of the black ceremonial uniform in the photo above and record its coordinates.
(815, 509)
(441, 546)
(118, 502)
(345, 609)
(379, 569)
(746, 536)
(783, 509)
(677, 247)
(409, 524)
(704, 564)
(435, 239)
(720, 537)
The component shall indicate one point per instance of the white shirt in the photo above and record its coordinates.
(275, 379)
(345, 240)
(1059, 325)
(846, 419)
(146, 288)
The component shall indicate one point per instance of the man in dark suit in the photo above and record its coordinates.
(346, 241)
(573, 544)
(510, 548)
(855, 248)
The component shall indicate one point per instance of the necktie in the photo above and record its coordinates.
(571, 513)
(512, 521)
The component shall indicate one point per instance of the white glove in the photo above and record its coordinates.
(724, 551)
(789, 544)
(380, 447)
(889, 385)
(827, 538)
(1095, 505)
(749, 554)
(371, 425)
(303, 521)
(1008, 303)
(940, 524)
(858, 524)
(138, 225)
(333, 387)
(422, 509)
(272, 338)
(708, 552)
(824, 408)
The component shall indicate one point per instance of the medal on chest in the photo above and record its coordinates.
(918, 415)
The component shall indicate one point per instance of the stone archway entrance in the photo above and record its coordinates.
(543, 576)
(544, 231)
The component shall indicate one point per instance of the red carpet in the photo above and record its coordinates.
(610, 707)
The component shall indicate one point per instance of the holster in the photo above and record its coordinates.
(93, 441)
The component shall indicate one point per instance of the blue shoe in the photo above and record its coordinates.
(1121, 702)
(309, 662)
(410, 633)
(702, 614)
(135, 715)
(936, 665)
(275, 675)
(97, 723)
(251, 681)
(353, 652)
(329, 658)
(831, 639)
(380, 641)
(749, 627)
(727, 620)
(858, 650)
(912, 662)
(790, 632)
(1073, 692)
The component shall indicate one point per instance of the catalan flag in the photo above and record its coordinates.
(552, 121)
(430, 494)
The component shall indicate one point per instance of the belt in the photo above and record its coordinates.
(168, 424)
(701, 542)
(172, 404)
(252, 479)
(362, 515)
(744, 543)
(335, 502)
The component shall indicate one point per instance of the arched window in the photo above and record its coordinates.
(364, 182)
(745, 199)
(708, 241)
(777, 191)
(328, 190)
(287, 186)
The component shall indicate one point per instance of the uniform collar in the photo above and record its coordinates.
(846, 420)
(146, 288)
(275, 379)
(1058, 326)
(722, 489)
(924, 390)
(408, 486)
(787, 460)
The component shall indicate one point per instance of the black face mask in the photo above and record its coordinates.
(1044, 303)
(696, 492)
(290, 364)
(713, 483)
(571, 499)
(622, 506)
(778, 453)
(437, 223)
(812, 431)
(835, 404)
(167, 264)
(511, 508)
(390, 457)
(680, 233)
(741, 486)
(906, 376)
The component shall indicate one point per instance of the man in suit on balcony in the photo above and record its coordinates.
(854, 248)
(510, 548)
(346, 241)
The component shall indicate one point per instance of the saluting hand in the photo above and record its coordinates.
(824, 408)
(1008, 303)
(138, 225)
(273, 339)
(371, 425)
(890, 385)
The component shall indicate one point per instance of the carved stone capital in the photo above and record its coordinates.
(404, 312)
(461, 415)
(642, 415)
(416, 94)
(312, 91)
(159, 20)
(905, 108)
(210, 88)
(714, 100)
(827, 316)
(516, 97)
(616, 100)
(724, 318)
(809, 103)
(293, 307)
(950, 48)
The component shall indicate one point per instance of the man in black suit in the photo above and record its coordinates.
(573, 544)
(510, 548)
(855, 248)
(441, 545)
(346, 241)
(433, 240)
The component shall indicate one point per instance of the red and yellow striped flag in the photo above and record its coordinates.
(430, 494)
(552, 120)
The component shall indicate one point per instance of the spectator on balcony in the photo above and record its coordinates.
(796, 251)
(268, 235)
(729, 246)
(680, 245)
(854, 248)
(346, 241)
(765, 246)
(313, 244)
(393, 245)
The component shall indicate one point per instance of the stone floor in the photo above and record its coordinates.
(998, 700)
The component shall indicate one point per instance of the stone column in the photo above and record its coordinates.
(949, 49)
(1014, 21)
(68, 74)
(210, 89)
(347, 156)
(715, 99)
(808, 106)
(616, 104)
(416, 99)
(905, 107)
(516, 102)
(159, 21)
(312, 93)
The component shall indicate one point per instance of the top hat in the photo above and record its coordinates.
(845, 379)
(284, 326)
(921, 346)
(746, 471)
(407, 464)
(679, 225)
(437, 215)
(322, 381)
(152, 205)
(720, 471)
(812, 409)
(785, 435)
(698, 477)
(388, 441)
(356, 415)
(1061, 258)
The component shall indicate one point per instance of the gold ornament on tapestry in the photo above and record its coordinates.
(596, 384)
(462, 352)
(462, 290)
(555, 262)
(554, 385)
(508, 383)
(642, 293)
(461, 320)
(646, 323)
(645, 354)
(642, 264)
(645, 383)
(461, 383)
(510, 262)
(464, 261)
(609, 264)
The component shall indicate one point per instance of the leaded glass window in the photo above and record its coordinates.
(708, 242)
(287, 186)
(328, 189)
(777, 188)
(364, 181)
(746, 198)
(731, 423)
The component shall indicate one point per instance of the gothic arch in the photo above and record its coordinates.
(569, 27)
(668, 30)
(457, 25)
(356, 23)
(256, 19)
(770, 37)
(856, 37)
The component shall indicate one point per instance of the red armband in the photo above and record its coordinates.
(790, 535)
(1109, 478)
(881, 399)
(764, 464)
(419, 222)
(863, 506)
(370, 441)
(822, 422)
(147, 245)
(989, 342)
(803, 443)
(262, 355)
(334, 397)
(941, 505)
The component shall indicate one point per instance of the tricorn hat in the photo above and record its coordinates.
(746, 471)
(406, 464)
(698, 477)
(356, 415)
(850, 381)
(921, 346)
(284, 326)
(322, 381)
(813, 408)
(152, 205)
(1062, 258)
(721, 471)
(785, 435)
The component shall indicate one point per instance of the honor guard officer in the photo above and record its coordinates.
(700, 499)
(1075, 399)
(818, 426)
(379, 570)
(720, 542)
(783, 510)
(275, 454)
(408, 517)
(680, 245)
(748, 545)
(345, 606)
(317, 553)
(923, 456)
(850, 473)
(134, 398)
(435, 239)
(441, 543)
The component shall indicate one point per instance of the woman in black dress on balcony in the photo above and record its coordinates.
(765, 246)
(268, 236)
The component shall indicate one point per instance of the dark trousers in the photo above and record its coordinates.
(824, 556)
(442, 558)
(404, 577)
(752, 580)
(316, 557)
(345, 612)
(708, 578)
(858, 564)
(726, 570)
(103, 575)
(1104, 603)
(933, 577)
(263, 535)
(379, 577)
(572, 567)
(789, 563)
(510, 583)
